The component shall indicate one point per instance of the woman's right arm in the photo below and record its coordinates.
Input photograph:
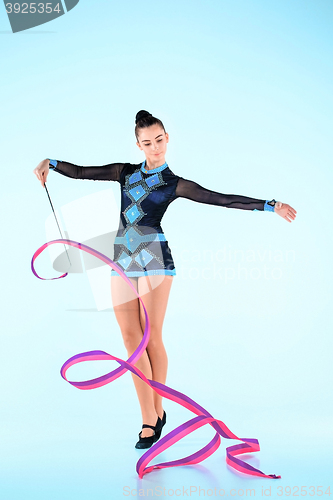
(110, 172)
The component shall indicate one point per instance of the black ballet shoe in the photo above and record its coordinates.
(148, 441)
(158, 431)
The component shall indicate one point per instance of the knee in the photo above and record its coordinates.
(131, 339)
(155, 342)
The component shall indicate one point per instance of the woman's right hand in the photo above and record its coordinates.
(42, 171)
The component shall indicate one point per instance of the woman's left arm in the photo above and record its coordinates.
(193, 191)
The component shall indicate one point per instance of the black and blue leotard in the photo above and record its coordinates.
(140, 247)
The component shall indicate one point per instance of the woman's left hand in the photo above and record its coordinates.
(285, 211)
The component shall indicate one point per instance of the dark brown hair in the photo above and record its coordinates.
(144, 119)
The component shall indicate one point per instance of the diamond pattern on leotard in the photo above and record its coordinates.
(132, 213)
(133, 239)
(124, 260)
(143, 258)
(137, 192)
(137, 189)
(140, 251)
(135, 177)
(153, 180)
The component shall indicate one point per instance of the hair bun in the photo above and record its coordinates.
(141, 115)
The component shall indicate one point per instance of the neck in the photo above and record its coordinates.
(150, 164)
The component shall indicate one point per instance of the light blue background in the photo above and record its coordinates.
(245, 91)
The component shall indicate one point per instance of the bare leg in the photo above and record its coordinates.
(156, 303)
(127, 311)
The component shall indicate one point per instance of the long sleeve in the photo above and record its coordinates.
(193, 191)
(109, 172)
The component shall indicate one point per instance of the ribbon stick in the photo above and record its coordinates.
(203, 417)
(56, 221)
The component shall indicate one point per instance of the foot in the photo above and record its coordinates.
(147, 441)
(160, 413)
(150, 432)
(163, 422)
(146, 432)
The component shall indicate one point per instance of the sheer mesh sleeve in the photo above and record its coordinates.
(110, 172)
(193, 191)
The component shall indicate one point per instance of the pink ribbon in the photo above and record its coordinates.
(203, 417)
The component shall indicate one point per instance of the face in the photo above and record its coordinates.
(153, 142)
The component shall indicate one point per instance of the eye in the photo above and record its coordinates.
(149, 144)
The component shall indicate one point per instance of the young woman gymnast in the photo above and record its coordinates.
(142, 251)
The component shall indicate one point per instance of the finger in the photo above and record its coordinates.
(289, 208)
